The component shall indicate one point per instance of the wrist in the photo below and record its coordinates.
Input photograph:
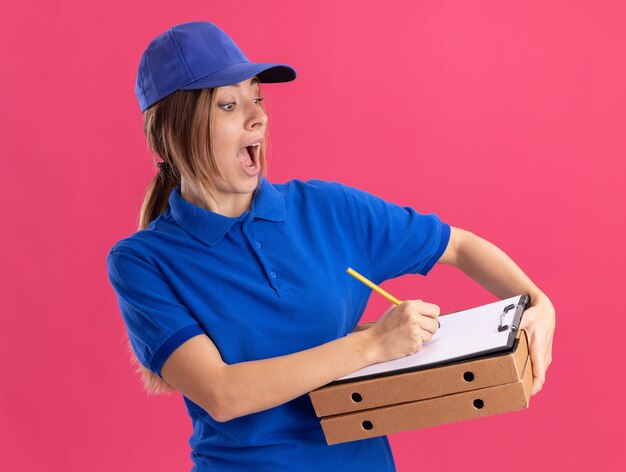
(370, 346)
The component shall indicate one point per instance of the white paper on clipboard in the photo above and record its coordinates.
(463, 334)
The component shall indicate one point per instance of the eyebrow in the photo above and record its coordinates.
(254, 81)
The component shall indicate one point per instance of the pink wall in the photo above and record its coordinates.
(505, 118)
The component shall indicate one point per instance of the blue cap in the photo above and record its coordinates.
(197, 55)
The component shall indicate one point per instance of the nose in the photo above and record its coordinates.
(257, 116)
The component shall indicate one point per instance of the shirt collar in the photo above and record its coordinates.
(209, 227)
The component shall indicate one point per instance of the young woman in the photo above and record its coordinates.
(234, 290)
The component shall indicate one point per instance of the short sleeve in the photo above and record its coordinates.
(397, 239)
(157, 323)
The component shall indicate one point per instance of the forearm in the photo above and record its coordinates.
(489, 266)
(259, 385)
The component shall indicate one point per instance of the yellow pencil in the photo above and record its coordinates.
(373, 286)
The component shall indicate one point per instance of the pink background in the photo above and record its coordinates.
(505, 118)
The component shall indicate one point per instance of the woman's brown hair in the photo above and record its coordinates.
(178, 129)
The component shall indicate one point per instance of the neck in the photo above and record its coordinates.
(230, 205)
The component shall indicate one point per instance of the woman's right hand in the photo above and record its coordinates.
(402, 329)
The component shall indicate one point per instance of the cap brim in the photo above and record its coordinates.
(267, 73)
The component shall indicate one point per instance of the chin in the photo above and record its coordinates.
(250, 185)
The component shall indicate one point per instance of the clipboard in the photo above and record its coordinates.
(474, 333)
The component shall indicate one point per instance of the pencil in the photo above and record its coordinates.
(373, 286)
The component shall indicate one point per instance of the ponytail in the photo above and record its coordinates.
(154, 204)
(157, 195)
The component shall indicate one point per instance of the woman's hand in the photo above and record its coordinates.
(402, 329)
(539, 322)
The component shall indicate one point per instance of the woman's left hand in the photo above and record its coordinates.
(539, 322)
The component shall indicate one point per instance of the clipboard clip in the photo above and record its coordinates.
(502, 326)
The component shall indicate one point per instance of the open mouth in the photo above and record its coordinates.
(249, 155)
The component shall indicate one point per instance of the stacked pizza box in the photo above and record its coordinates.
(386, 404)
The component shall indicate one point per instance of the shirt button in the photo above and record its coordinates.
(258, 244)
(273, 274)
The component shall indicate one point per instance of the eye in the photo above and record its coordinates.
(232, 104)
(227, 105)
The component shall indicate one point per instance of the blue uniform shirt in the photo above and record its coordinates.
(268, 283)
